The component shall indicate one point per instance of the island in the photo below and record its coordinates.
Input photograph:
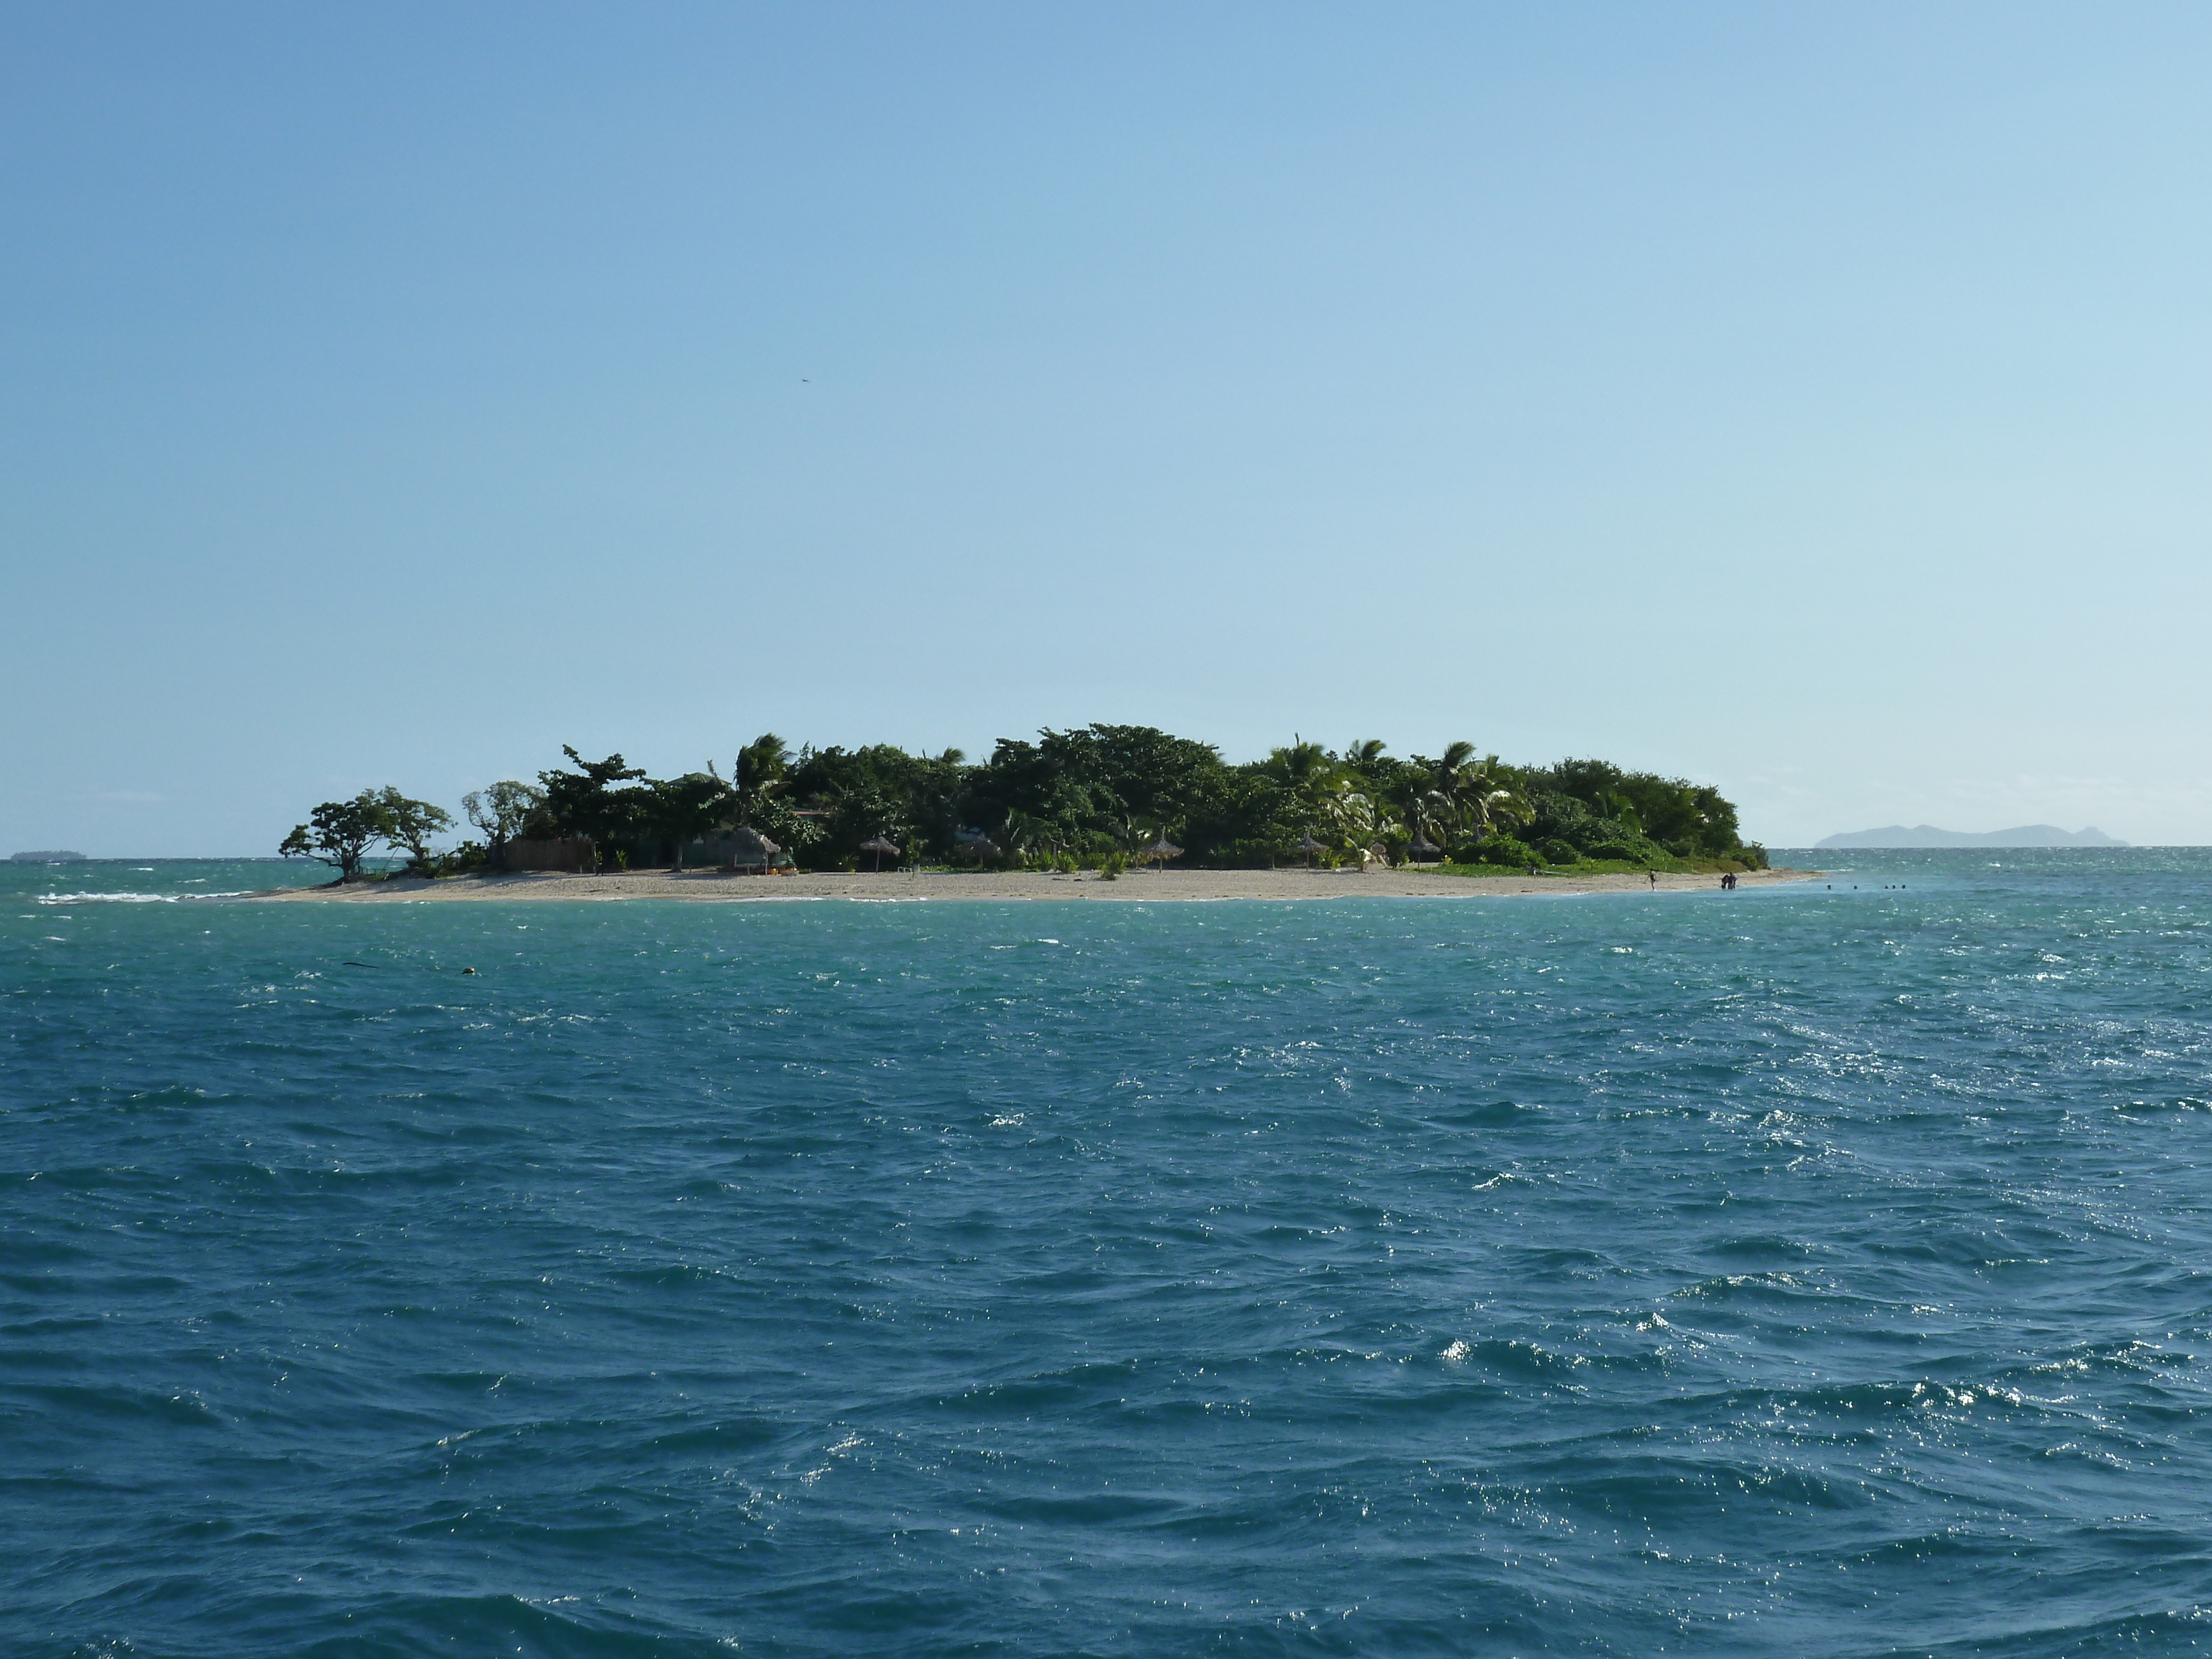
(1109, 810)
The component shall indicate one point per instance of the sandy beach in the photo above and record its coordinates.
(1136, 887)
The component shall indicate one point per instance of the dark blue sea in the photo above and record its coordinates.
(1813, 1271)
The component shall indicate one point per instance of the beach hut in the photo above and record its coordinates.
(752, 851)
(879, 845)
(1162, 850)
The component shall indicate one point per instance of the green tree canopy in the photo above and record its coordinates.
(502, 811)
(410, 823)
(762, 768)
(686, 807)
(600, 799)
(1088, 790)
(339, 833)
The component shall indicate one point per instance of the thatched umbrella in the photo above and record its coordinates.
(748, 847)
(1309, 847)
(879, 845)
(980, 849)
(1162, 849)
(1423, 850)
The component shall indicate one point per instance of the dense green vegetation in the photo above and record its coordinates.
(341, 832)
(1098, 794)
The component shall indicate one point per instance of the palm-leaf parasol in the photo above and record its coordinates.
(879, 844)
(748, 847)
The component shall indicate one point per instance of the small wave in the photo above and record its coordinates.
(131, 898)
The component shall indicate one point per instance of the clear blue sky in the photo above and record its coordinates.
(1814, 400)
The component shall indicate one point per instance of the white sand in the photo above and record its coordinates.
(1138, 886)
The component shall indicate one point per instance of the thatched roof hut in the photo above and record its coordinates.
(750, 850)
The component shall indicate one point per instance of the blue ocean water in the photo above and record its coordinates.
(1820, 1270)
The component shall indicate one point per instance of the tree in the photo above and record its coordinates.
(1305, 773)
(1468, 791)
(862, 810)
(687, 806)
(775, 818)
(585, 802)
(339, 833)
(501, 810)
(761, 769)
(1427, 816)
(410, 823)
(1032, 839)
(866, 792)
(1326, 797)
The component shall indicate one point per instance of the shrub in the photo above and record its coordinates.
(464, 860)
(1556, 851)
(1508, 850)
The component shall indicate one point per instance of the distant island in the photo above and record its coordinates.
(49, 857)
(1927, 834)
(1101, 797)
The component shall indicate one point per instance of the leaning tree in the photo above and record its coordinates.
(339, 833)
(410, 823)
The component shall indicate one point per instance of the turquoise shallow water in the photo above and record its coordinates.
(1798, 1270)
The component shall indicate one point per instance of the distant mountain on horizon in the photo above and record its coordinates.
(1927, 834)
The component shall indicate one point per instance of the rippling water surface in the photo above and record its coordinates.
(1811, 1271)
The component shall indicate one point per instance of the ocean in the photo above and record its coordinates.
(1814, 1270)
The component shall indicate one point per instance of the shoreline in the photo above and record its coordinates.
(1166, 886)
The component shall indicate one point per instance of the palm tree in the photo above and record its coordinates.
(761, 765)
(1464, 791)
(1031, 838)
(1365, 755)
(1302, 768)
(1350, 814)
(1329, 796)
(1428, 815)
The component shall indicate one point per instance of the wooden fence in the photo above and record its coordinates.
(572, 854)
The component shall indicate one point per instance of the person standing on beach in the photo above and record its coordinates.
(1653, 874)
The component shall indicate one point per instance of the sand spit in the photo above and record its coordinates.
(1136, 887)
